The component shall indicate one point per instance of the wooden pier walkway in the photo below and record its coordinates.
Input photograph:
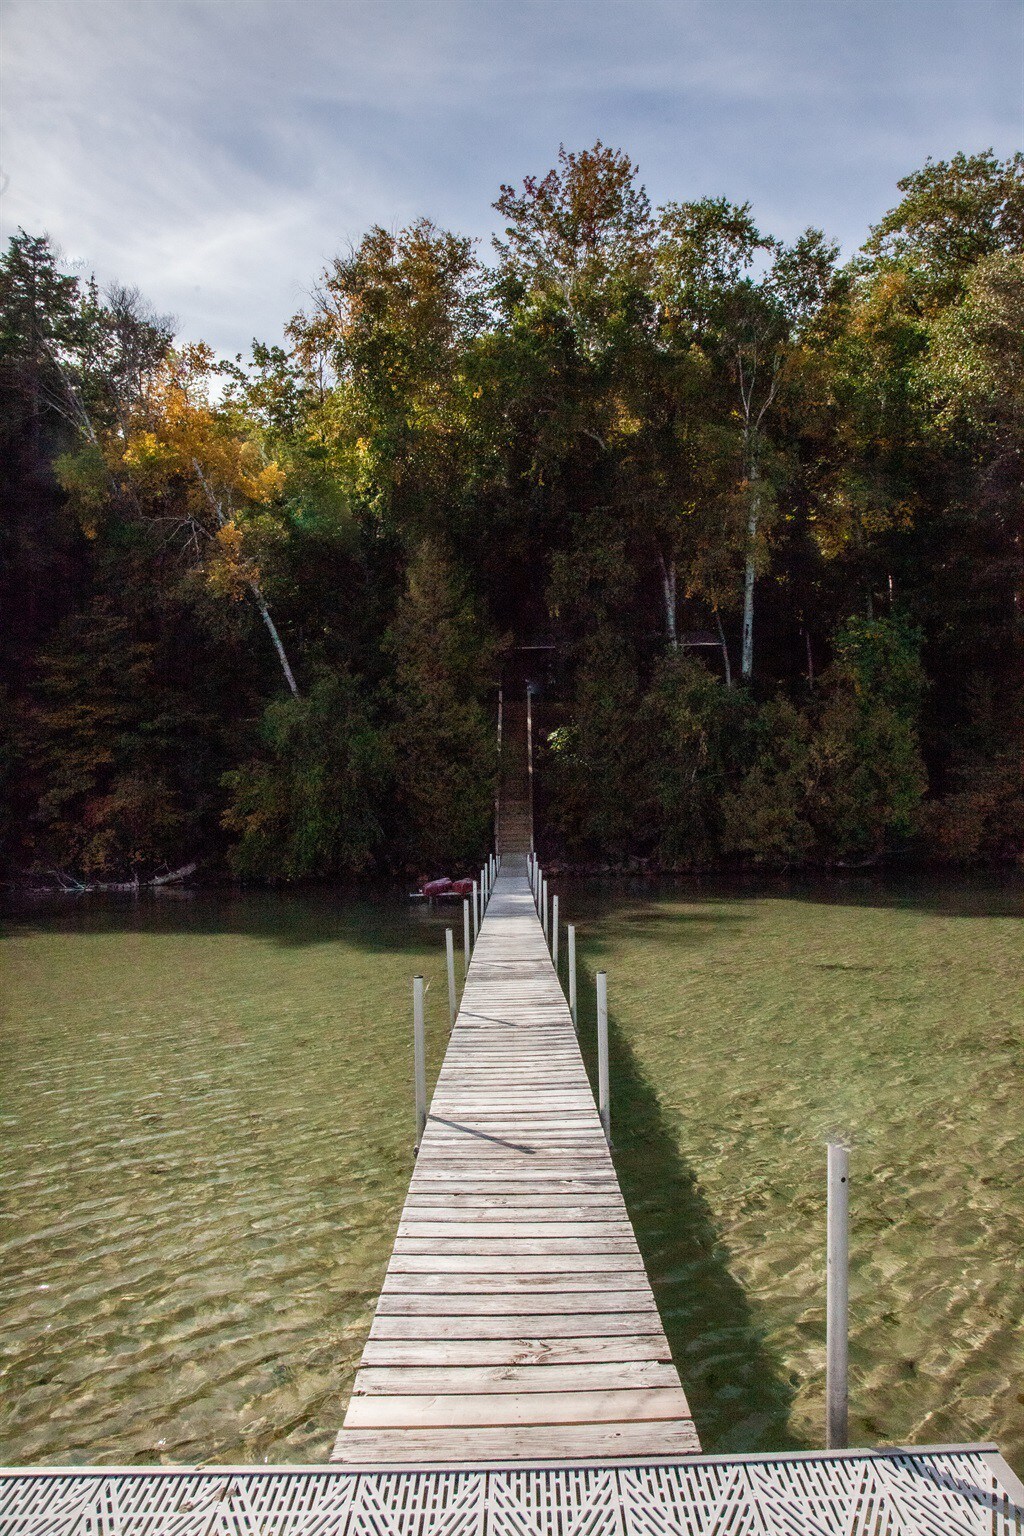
(516, 1318)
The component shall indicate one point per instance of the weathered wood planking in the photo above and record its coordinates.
(515, 1318)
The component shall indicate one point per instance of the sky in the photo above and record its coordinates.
(217, 153)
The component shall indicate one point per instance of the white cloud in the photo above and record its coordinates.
(217, 152)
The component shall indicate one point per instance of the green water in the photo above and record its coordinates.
(749, 1030)
(206, 1128)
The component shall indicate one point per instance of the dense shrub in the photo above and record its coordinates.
(309, 803)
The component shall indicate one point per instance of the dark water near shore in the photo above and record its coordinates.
(206, 1109)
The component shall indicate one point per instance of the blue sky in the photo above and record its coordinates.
(216, 153)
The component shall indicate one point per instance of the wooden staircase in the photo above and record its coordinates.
(514, 833)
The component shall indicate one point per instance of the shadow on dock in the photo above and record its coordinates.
(737, 1388)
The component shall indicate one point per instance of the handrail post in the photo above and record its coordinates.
(554, 932)
(572, 976)
(498, 773)
(602, 1055)
(544, 910)
(465, 935)
(529, 755)
(837, 1300)
(419, 1058)
(449, 954)
(476, 910)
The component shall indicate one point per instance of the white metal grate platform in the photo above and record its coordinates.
(949, 1491)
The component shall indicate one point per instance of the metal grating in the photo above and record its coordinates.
(958, 1491)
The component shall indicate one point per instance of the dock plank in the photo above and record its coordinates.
(515, 1319)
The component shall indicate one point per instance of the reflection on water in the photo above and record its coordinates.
(207, 1125)
(750, 1028)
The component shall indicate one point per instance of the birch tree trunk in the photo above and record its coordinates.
(668, 587)
(261, 604)
(254, 586)
(753, 519)
(725, 649)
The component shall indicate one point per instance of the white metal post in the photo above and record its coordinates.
(449, 954)
(837, 1300)
(554, 933)
(419, 1058)
(465, 935)
(476, 910)
(529, 754)
(602, 1055)
(544, 908)
(572, 976)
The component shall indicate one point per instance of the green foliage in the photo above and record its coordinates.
(689, 722)
(588, 764)
(866, 770)
(100, 759)
(442, 741)
(309, 804)
(982, 817)
(765, 815)
(953, 214)
(637, 423)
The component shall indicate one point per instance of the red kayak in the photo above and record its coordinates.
(436, 887)
(461, 888)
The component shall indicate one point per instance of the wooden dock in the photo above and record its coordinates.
(516, 1318)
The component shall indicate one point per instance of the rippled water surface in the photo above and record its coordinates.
(207, 1139)
(207, 1126)
(750, 1029)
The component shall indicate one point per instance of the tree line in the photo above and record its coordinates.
(765, 504)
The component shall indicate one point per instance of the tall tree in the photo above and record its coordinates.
(752, 301)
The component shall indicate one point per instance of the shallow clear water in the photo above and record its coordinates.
(750, 1029)
(207, 1122)
(207, 1127)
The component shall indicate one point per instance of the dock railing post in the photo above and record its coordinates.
(419, 1058)
(544, 909)
(602, 1055)
(572, 976)
(554, 933)
(476, 909)
(465, 935)
(837, 1300)
(449, 954)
